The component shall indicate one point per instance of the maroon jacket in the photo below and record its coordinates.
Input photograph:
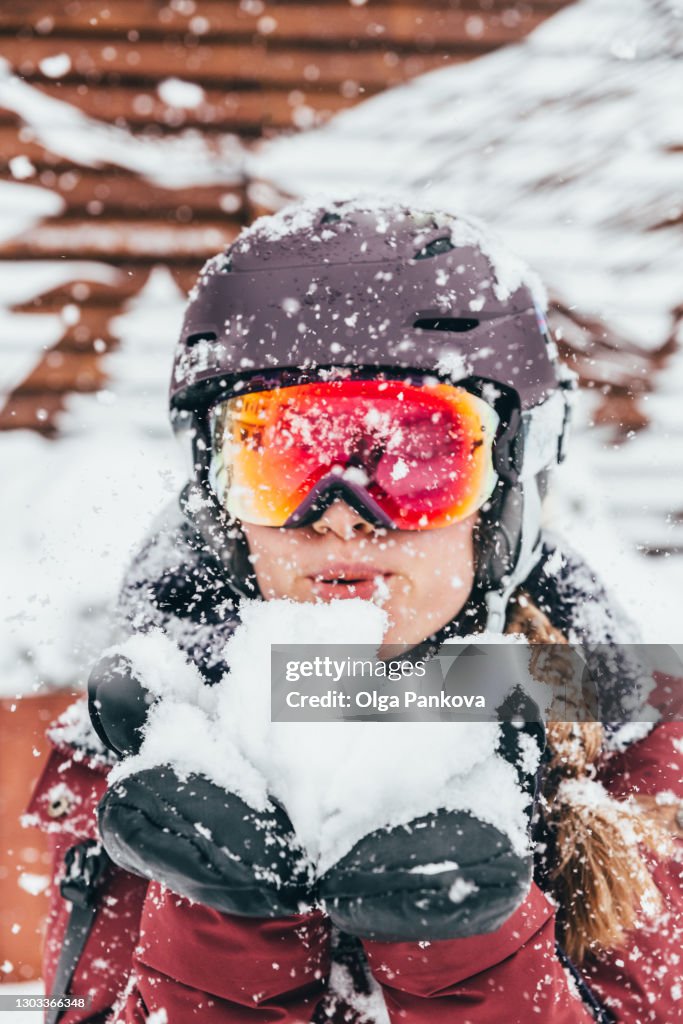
(151, 949)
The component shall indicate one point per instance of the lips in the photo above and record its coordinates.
(348, 573)
(349, 579)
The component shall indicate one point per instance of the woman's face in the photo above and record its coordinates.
(421, 578)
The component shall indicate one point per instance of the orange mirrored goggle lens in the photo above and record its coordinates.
(422, 453)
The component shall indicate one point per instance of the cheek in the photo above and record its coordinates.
(275, 556)
(444, 560)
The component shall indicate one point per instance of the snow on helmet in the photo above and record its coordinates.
(374, 287)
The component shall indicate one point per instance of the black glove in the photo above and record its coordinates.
(377, 891)
(206, 844)
(190, 834)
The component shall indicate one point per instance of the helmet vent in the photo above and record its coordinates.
(434, 248)
(194, 339)
(330, 218)
(457, 325)
(226, 268)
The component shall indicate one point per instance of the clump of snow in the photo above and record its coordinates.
(434, 869)
(33, 883)
(454, 365)
(21, 168)
(164, 668)
(587, 796)
(362, 779)
(630, 732)
(355, 475)
(159, 1016)
(370, 1006)
(510, 271)
(56, 66)
(74, 728)
(178, 93)
(399, 470)
(461, 889)
(667, 797)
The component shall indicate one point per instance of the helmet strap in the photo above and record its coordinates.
(529, 551)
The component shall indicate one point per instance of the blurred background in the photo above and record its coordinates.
(139, 136)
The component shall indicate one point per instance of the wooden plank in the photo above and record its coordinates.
(20, 141)
(255, 63)
(240, 111)
(37, 412)
(403, 24)
(157, 241)
(90, 334)
(65, 372)
(94, 293)
(625, 414)
(93, 192)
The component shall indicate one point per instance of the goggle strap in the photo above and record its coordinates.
(544, 429)
(529, 553)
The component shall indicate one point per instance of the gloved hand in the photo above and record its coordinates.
(445, 875)
(206, 844)
(199, 840)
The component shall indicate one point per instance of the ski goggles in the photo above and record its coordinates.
(410, 457)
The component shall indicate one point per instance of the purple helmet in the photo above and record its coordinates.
(356, 286)
(361, 288)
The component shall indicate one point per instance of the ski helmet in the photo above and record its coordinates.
(376, 288)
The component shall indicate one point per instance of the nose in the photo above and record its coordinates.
(344, 521)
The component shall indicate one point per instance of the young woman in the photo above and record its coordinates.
(372, 403)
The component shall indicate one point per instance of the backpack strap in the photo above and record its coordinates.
(86, 865)
(601, 1014)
